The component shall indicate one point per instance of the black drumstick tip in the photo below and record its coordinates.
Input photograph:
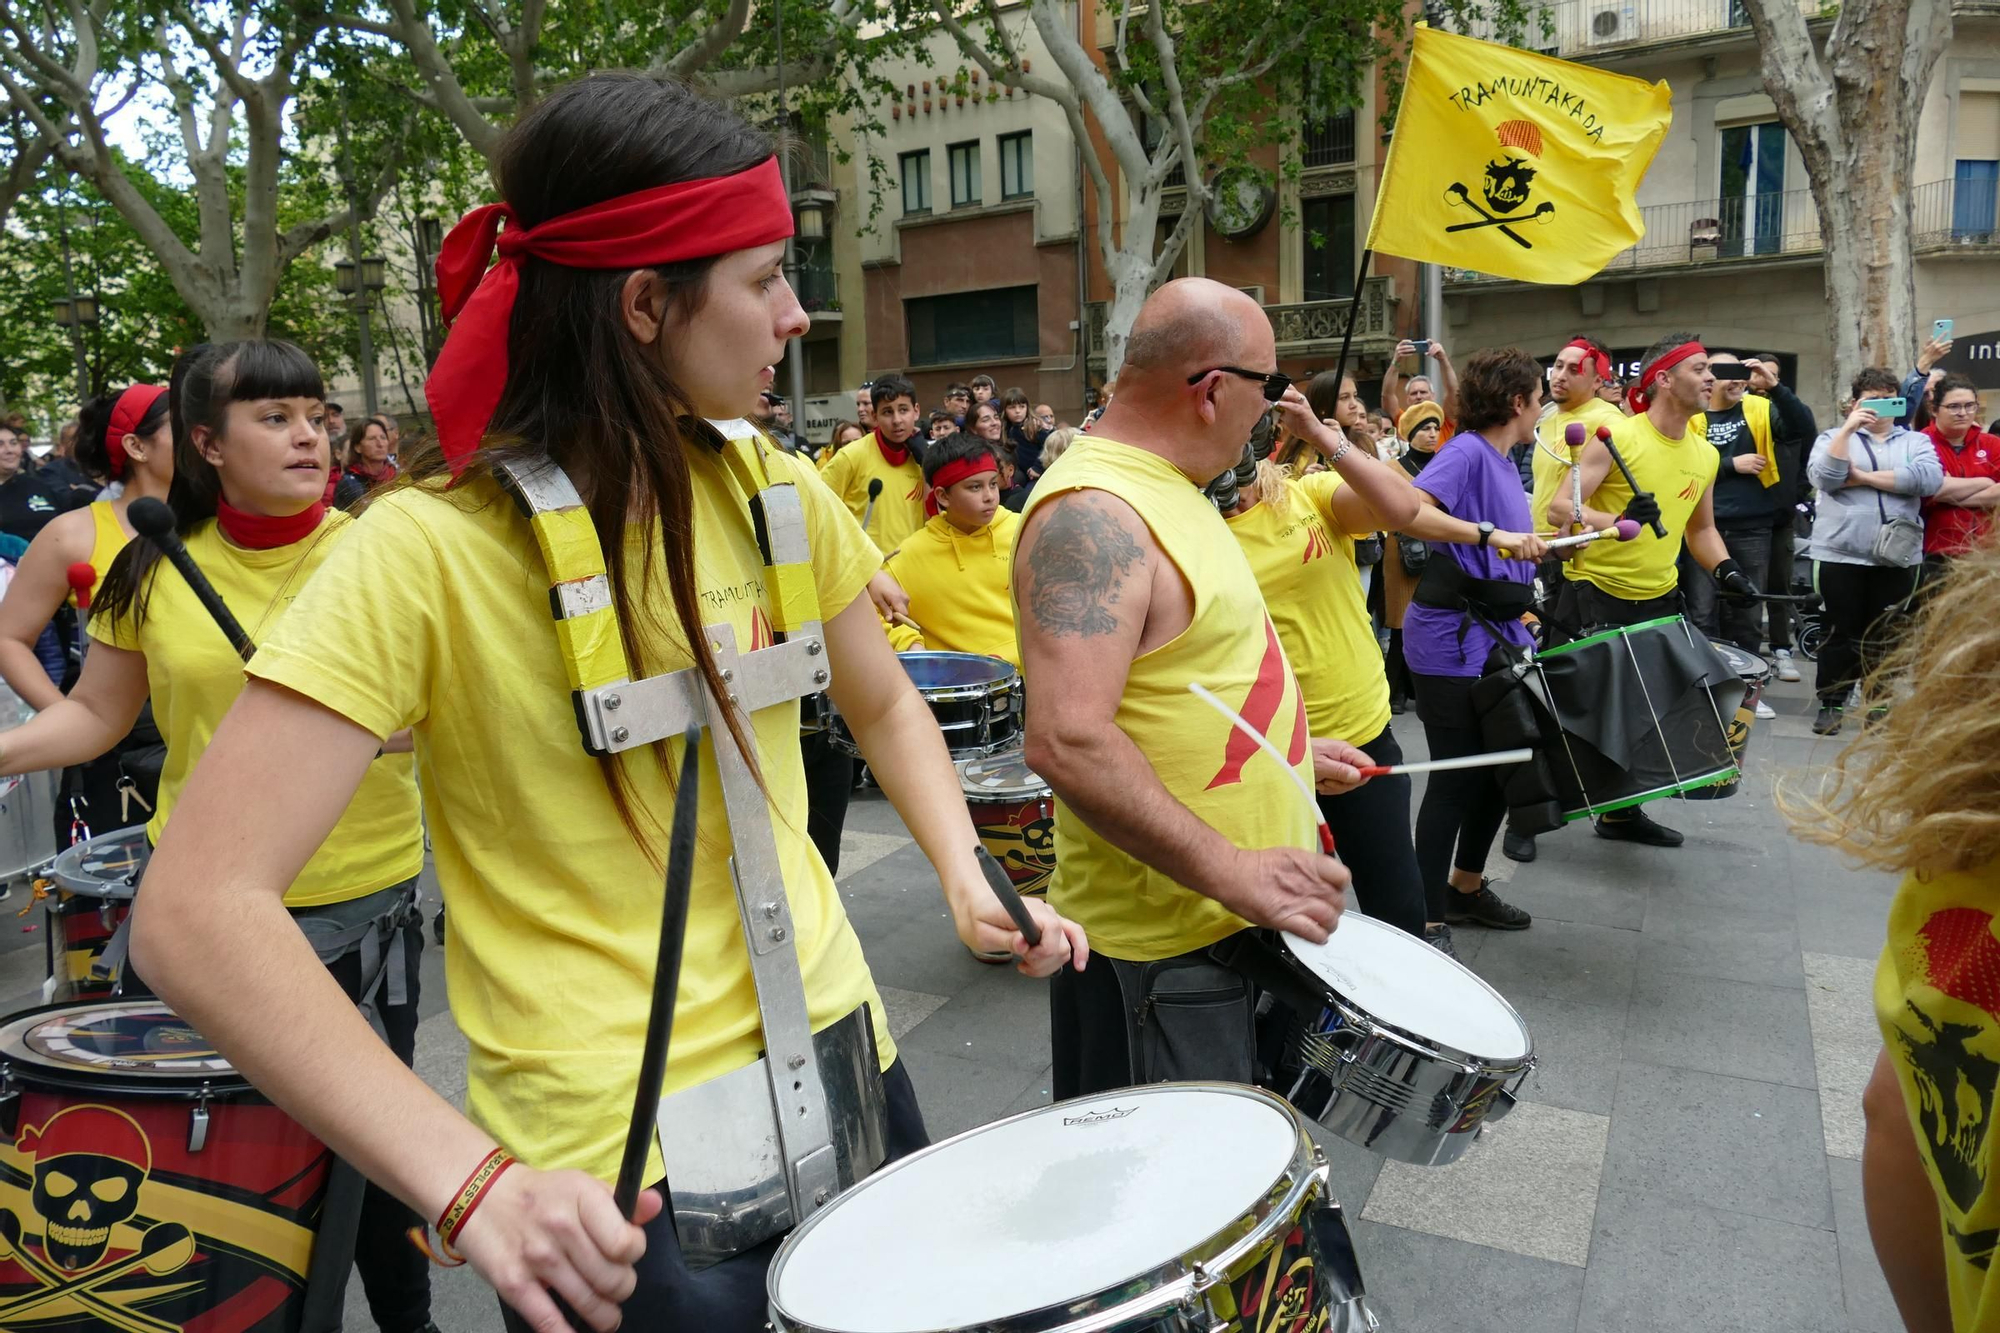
(151, 517)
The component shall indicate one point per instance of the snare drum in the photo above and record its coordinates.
(1755, 673)
(27, 805)
(95, 881)
(1014, 812)
(1634, 714)
(976, 701)
(1410, 1052)
(141, 1175)
(1163, 1209)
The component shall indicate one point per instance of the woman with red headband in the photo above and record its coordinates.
(609, 357)
(250, 461)
(124, 438)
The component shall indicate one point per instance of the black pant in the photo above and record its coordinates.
(1697, 589)
(1369, 826)
(1464, 807)
(1398, 669)
(1585, 607)
(1865, 606)
(394, 1273)
(1739, 621)
(1120, 1023)
(729, 1297)
(829, 785)
(1778, 566)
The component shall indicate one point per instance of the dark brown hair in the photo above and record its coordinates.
(92, 451)
(206, 379)
(1490, 383)
(1879, 378)
(581, 392)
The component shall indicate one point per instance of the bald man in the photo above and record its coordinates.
(1173, 834)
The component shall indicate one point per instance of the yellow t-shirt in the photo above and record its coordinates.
(555, 909)
(107, 539)
(958, 587)
(1550, 450)
(1677, 472)
(1937, 998)
(194, 675)
(1130, 910)
(1305, 566)
(899, 509)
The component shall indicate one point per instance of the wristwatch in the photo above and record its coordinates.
(1485, 533)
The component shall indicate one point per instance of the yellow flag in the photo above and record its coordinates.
(1515, 164)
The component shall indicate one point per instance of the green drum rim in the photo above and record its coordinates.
(1715, 779)
(1605, 636)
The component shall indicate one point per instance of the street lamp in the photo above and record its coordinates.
(812, 220)
(74, 311)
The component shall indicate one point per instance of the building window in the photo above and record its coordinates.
(1017, 165)
(1975, 189)
(973, 326)
(1328, 141)
(916, 181)
(964, 174)
(1329, 247)
(1751, 208)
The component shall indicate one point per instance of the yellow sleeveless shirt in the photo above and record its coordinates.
(107, 540)
(1130, 910)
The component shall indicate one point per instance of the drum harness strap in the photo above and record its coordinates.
(1446, 586)
(616, 713)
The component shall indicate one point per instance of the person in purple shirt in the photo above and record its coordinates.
(1482, 540)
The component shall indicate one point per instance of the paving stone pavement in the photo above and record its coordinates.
(1687, 1154)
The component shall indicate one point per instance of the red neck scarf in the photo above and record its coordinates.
(126, 414)
(669, 224)
(893, 455)
(1640, 395)
(261, 532)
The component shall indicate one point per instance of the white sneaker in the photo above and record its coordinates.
(1788, 670)
(1765, 712)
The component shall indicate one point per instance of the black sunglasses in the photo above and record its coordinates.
(1274, 383)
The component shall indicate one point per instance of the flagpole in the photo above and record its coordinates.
(1353, 317)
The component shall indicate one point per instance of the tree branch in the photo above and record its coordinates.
(228, 64)
(712, 42)
(1163, 263)
(1134, 86)
(1176, 100)
(296, 240)
(1008, 68)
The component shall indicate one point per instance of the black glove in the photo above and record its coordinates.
(1642, 509)
(1732, 583)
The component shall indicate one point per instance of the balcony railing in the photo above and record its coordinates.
(1949, 214)
(1778, 225)
(1303, 328)
(1578, 29)
(1329, 142)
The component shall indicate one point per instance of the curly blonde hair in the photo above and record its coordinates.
(1919, 790)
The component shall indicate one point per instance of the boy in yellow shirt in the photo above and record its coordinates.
(956, 567)
(880, 476)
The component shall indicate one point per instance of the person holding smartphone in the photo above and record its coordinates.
(1867, 543)
(1399, 395)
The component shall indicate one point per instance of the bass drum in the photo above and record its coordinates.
(144, 1185)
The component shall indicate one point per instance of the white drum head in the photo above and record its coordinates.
(1036, 1211)
(1001, 777)
(1406, 983)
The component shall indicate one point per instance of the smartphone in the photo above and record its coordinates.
(1731, 371)
(1889, 409)
(1941, 331)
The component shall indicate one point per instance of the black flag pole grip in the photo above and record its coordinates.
(153, 519)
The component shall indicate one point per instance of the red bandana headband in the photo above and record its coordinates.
(1592, 355)
(126, 414)
(1640, 395)
(669, 224)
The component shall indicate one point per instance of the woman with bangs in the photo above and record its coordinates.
(619, 342)
(249, 469)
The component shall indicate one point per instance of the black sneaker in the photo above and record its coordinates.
(1439, 938)
(1637, 826)
(1828, 721)
(1518, 847)
(1485, 908)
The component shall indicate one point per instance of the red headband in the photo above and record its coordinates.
(1592, 355)
(126, 414)
(1640, 395)
(666, 225)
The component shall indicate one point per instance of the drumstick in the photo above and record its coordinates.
(1604, 434)
(874, 490)
(1010, 898)
(666, 976)
(1437, 765)
(1237, 721)
(903, 618)
(1623, 530)
(82, 578)
(153, 519)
